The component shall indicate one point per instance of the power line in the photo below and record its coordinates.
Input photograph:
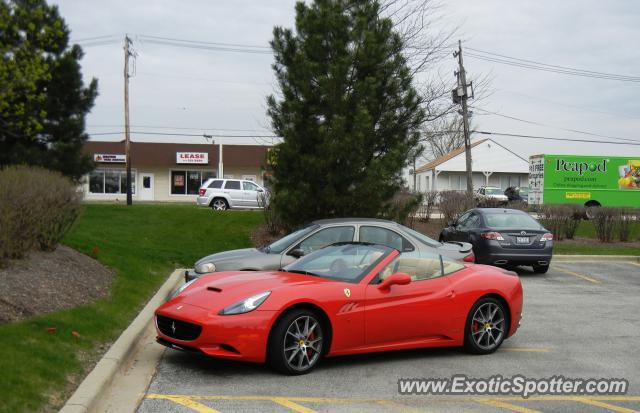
(554, 66)
(172, 127)
(146, 36)
(552, 70)
(184, 134)
(554, 127)
(554, 139)
(205, 47)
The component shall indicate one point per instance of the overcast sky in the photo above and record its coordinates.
(194, 91)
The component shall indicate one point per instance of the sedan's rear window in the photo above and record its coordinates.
(511, 221)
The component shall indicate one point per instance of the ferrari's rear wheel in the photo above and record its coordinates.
(296, 342)
(486, 326)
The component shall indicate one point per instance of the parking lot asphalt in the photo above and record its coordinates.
(581, 320)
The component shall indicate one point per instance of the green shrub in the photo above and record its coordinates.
(402, 208)
(37, 207)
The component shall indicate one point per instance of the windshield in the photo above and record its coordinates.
(421, 237)
(283, 243)
(511, 221)
(493, 191)
(348, 262)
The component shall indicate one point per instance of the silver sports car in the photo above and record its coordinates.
(325, 232)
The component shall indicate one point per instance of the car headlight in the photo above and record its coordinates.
(246, 305)
(181, 289)
(205, 268)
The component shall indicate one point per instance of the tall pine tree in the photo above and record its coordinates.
(43, 100)
(347, 111)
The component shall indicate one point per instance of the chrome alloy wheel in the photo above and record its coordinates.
(303, 343)
(488, 326)
(218, 205)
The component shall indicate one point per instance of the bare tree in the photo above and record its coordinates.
(428, 43)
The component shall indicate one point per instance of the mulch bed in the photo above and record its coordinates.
(49, 281)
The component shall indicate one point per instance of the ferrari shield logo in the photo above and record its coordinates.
(347, 292)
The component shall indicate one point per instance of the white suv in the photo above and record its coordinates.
(221, 194)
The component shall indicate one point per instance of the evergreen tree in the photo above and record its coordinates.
(43, 100)
(347, 111)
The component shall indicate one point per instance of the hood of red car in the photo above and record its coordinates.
(219, 290)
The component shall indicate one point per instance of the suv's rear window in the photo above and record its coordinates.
(232, 185)
(216, 184)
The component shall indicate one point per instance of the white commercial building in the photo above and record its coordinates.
(492, 165)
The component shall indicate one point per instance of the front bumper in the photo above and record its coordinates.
(238, 337)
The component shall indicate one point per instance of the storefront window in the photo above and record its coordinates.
(96, 182)
(194, 179)
(110, 181)
(188, 182)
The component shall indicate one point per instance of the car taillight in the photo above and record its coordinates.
(469, 258)
(492, 235)
(202, 191)
(547, 237)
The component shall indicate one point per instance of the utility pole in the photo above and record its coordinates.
(460, 96)
(127, 138)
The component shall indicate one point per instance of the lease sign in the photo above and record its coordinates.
(192, 157)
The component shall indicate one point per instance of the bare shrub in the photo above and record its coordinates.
(519, 205)
(489, 202)
(561, 220)
(37, 208)
(272, 223)
(429, 203)
(624, 223)
(453, 203)
(605, 221)
(403, 208)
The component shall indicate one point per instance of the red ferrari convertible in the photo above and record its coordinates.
(343, 299)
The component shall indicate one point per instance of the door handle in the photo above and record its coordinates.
(451, 294)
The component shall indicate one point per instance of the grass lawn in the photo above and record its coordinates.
(142, 244)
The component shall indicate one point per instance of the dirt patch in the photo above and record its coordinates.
(49, 281)
(431, 229)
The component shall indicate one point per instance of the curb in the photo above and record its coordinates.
(87, 395)
(592, 258)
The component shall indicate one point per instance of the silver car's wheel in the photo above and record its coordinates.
(219, 204)
(296, 342)
(486, 327)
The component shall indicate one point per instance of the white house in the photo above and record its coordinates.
(492, 164)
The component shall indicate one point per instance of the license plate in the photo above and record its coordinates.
(522, 240)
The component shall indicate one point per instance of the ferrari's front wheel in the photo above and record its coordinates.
(296, 342)
(486, 327)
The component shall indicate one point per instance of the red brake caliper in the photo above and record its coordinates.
(312, 336)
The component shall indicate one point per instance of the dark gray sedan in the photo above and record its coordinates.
(502, 236)
(325, 232)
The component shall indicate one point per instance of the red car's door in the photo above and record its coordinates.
(419, 310)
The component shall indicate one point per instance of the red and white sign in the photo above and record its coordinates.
(192, 157)
(110, 157)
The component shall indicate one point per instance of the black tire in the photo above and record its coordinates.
(473, 335)
(219, 204)
(289, 361)
(540, 269)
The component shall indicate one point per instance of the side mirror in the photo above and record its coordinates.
(297, 253)
(260, 190)
(399, 278)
